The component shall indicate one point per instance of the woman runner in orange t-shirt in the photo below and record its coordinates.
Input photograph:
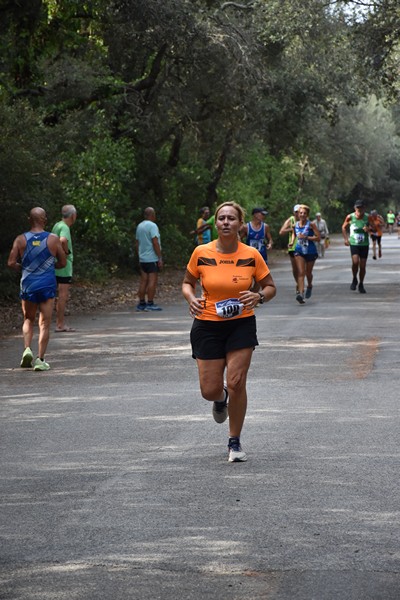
(223, 334)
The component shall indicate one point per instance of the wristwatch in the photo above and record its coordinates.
(262, 298)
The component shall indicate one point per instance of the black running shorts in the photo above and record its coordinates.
(67, 280)
(214, 339)
(151, 267)
(362, 251)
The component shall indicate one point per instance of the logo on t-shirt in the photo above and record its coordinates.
(246, 262)
(208, 262)
(226, 262)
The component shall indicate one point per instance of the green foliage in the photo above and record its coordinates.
(27, 162)
(118, 105)
(256, 178)
(97, 181)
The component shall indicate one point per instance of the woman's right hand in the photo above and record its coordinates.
(196, 306)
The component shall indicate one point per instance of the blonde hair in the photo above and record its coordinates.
(307, 208)
(239, 209)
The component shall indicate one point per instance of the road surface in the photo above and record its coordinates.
(114, 477)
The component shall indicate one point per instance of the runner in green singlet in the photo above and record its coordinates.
(359, 224)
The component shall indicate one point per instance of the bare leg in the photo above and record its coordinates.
(46, 310)
(355, 263)
(294, 267)
(363, 268)
(211, 376)
(309, 274)
(151, 286)
(63, 290)
(29, 310)
(238, 363)
(301, 271)
(144, 278)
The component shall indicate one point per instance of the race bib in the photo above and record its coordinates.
(303, 243)
(257, 244)
(229, 308)
(358, 238)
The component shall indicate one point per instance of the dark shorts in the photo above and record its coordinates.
(38, 296)
(361, 251)
(64, 279)
(151, 267)
(376, 238)
(214, 339)
(307, 257)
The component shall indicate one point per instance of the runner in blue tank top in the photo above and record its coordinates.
(305, 252)
(33, 254)
(255, 233)
(38, 280)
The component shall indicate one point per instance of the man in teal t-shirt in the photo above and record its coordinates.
(358, 240)
(148, 249)
(64, 276)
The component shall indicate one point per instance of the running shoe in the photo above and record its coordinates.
(236, 453)
(153, 307)
(354, 284)
(361, 289)
(300, 298)
(27, 359)
(374, 257)
(41, 365)
(141, 307)
(220, 409)
(308, 292)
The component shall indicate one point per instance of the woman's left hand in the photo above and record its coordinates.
(249, 299)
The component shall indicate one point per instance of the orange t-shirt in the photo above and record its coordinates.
(376, 224)
(223, 276)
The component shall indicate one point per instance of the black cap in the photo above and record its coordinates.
(258, 209)
(359, 204)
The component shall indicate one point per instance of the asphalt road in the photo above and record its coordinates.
(114, 477)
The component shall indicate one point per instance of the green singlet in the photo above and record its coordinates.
(358, 237)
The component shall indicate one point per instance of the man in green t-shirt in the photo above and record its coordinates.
(288, 227)
(359, 225)
(64, 276)
(390, 219)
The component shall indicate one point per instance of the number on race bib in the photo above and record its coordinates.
(227, 309)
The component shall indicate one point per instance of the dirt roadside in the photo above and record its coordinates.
(88, 297)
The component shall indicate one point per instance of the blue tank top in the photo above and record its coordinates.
(38, 272)
(256, 239)
(304, 246)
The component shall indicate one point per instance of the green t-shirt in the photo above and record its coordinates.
(214, 232)
(62, 230)
(390, 218)
(293, 246)
(358, 237)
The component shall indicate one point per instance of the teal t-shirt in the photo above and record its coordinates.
(145, 232)
(62, 230)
